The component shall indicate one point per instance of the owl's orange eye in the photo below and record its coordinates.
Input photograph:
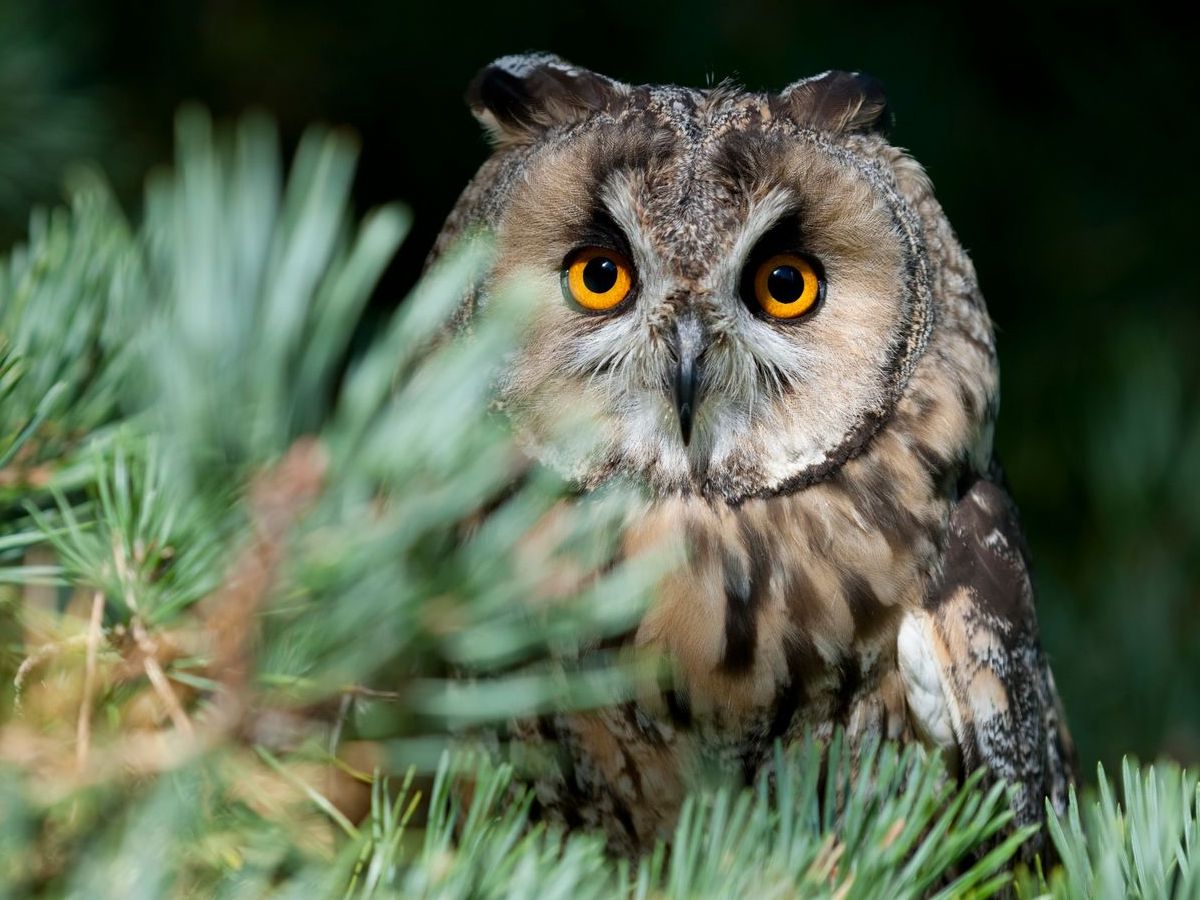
(787, 285)
(597, 278)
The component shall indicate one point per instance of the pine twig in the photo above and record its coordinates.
(35, 659)
(278, 497)
(158, 680)
(83, 730)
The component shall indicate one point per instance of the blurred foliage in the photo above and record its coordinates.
(228, 566)
(1146, 845)
(899, 837)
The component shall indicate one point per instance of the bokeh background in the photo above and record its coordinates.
(1062, 145)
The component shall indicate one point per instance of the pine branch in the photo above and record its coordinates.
(242, 589)
(1145, 845)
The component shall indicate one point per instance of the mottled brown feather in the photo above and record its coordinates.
(819, 496)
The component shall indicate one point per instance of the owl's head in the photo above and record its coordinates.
(734, 288)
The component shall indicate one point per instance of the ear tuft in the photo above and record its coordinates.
(518, 97)
(841, 102)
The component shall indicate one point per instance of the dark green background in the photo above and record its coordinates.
(1062, 145)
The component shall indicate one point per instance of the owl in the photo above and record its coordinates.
(764, 316)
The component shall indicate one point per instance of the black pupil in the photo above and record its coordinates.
(600, 274)
(785, 284)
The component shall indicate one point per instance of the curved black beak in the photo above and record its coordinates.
(689, 345)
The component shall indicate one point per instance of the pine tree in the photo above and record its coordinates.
(257, 599)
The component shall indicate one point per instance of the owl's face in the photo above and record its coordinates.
(731, 289)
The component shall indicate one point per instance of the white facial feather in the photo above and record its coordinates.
(775, 399)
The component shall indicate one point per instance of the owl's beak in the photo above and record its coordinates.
(689, 345)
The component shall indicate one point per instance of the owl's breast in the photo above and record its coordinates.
(782, 622)
(787, 610)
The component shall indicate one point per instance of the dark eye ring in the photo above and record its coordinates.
(785, 285)
(596, 278)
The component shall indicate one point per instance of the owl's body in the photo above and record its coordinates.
(785, 344)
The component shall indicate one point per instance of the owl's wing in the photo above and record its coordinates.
(977, 683)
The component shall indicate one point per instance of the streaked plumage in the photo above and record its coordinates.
(855, 559)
